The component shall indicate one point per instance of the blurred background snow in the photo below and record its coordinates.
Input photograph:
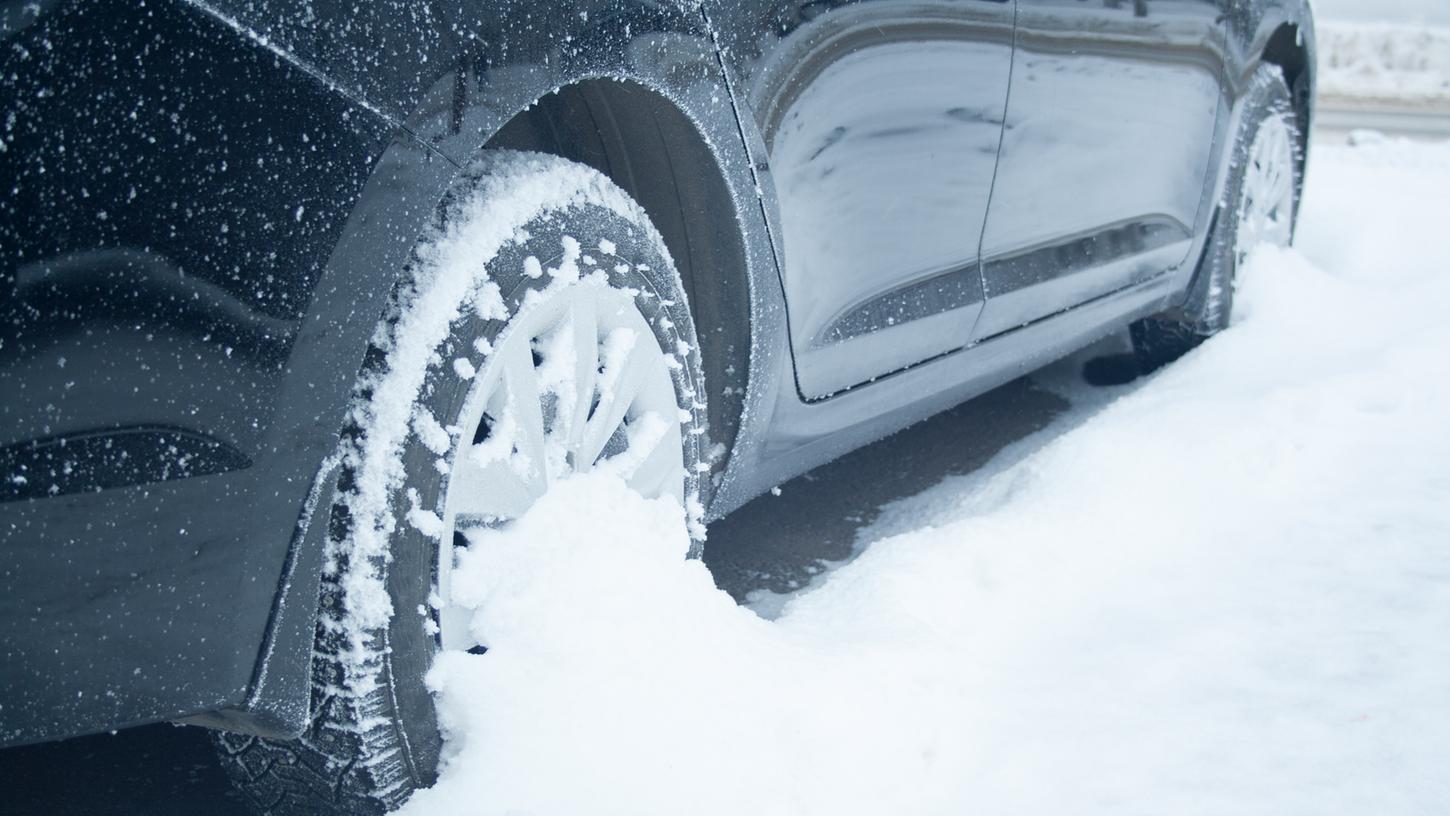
(1435, 12)
(1384, 54)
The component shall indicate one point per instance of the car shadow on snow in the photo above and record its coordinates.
(780, 545)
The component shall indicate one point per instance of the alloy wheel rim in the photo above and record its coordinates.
(576, 382)
(1266, 211)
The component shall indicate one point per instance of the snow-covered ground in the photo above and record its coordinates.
(1225, 589)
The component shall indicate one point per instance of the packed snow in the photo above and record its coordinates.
(1226, 589)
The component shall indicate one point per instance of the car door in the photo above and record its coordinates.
(880, 121)
(1105, 151)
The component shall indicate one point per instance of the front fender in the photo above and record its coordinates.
(449, 84)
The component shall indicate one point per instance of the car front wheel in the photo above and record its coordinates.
(542, 331)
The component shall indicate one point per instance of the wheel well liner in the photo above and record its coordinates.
(1287, 49)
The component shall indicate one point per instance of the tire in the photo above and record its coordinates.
(1163, 338)
(521, 232)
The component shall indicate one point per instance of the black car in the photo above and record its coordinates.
(295, 292)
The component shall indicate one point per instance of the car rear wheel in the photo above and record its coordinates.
(543, 331)
(1262, 196)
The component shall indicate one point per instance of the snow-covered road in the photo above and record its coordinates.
(1225, 589)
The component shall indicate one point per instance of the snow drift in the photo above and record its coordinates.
(1226, 592)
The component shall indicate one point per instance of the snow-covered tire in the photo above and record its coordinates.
(1163, 338)
(520, 230)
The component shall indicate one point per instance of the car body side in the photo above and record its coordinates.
(239, 188)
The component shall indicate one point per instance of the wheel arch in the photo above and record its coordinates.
(461, 81)
(1290, 46)
(647, 145)
(673, 156)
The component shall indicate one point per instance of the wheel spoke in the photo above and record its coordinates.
(482, 493)
(1278, 190)
(1264, 186)
(1269, 189)
(1282, 189)
(585, 325)
(522, 382)
(657, 465)
(623, 378)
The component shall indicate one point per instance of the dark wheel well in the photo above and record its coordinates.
(1287, 49)
(646, 145)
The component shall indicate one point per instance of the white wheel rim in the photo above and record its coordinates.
(576, 381)
(1266, 210)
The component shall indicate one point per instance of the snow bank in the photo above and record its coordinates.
(1384, 62)
(1226, 592)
